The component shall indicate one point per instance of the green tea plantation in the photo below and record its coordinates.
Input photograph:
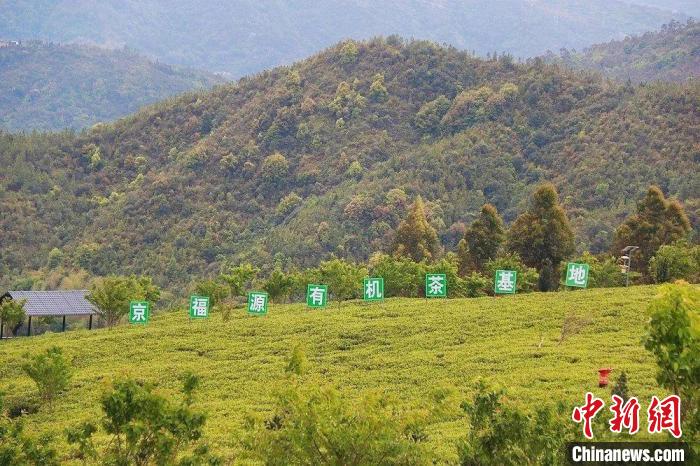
(542, 347)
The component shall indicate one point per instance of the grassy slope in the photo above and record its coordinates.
(404, 346)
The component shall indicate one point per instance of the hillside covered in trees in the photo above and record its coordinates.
(670, 54)
(48, 86)
(244, 36)
(290, 166)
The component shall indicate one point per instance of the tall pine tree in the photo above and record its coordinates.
(482, 241)
(542, 236)
(415, 237)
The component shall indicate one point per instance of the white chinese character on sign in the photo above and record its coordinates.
(505, 282)
(436, 284)
(373, 290)
(139, 313)
(258, 303)
(200, 307)
(577, 274)
(317, 295)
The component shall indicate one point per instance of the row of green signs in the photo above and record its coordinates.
(140, 311)
(373, 290)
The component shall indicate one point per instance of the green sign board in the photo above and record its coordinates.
(373, 289)
(316, 295)
(505, 282)
(577, 275)
(257, 303)
(435, 285)
(139, 312)
(199, 307)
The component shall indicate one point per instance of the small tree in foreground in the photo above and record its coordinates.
(297, 362)
(145, 428)
(319, 426)
(674, 339)
(12, 314)
(674, 330)
(17, 448)
(50, 372)
(501, 434)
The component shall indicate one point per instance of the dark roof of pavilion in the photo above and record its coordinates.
(53, 303)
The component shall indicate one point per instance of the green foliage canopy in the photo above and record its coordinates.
(677, 261)
(111, 296)
(542, 236)
(673, 337)
(146, 428)
(12, 312)
(501, 434)
(215, 290)
(50, 371)
(658, 221)
(415, 237)
(483, 240)
(19, 448)
(321, 426)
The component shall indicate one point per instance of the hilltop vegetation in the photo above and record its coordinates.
(289, 166)
(670, 54)
(50, 87)
(543, 348)
(244, 36)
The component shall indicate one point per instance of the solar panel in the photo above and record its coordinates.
(55, 303)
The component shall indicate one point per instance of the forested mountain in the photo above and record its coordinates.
(47, 86)
(671, 54)
(247, 36)
(324, 157)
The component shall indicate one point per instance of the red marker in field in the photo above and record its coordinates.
(603, 377)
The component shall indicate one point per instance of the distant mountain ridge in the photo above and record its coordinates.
(670, 54)
(51, 87)
(688, 7)
(242, 37)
